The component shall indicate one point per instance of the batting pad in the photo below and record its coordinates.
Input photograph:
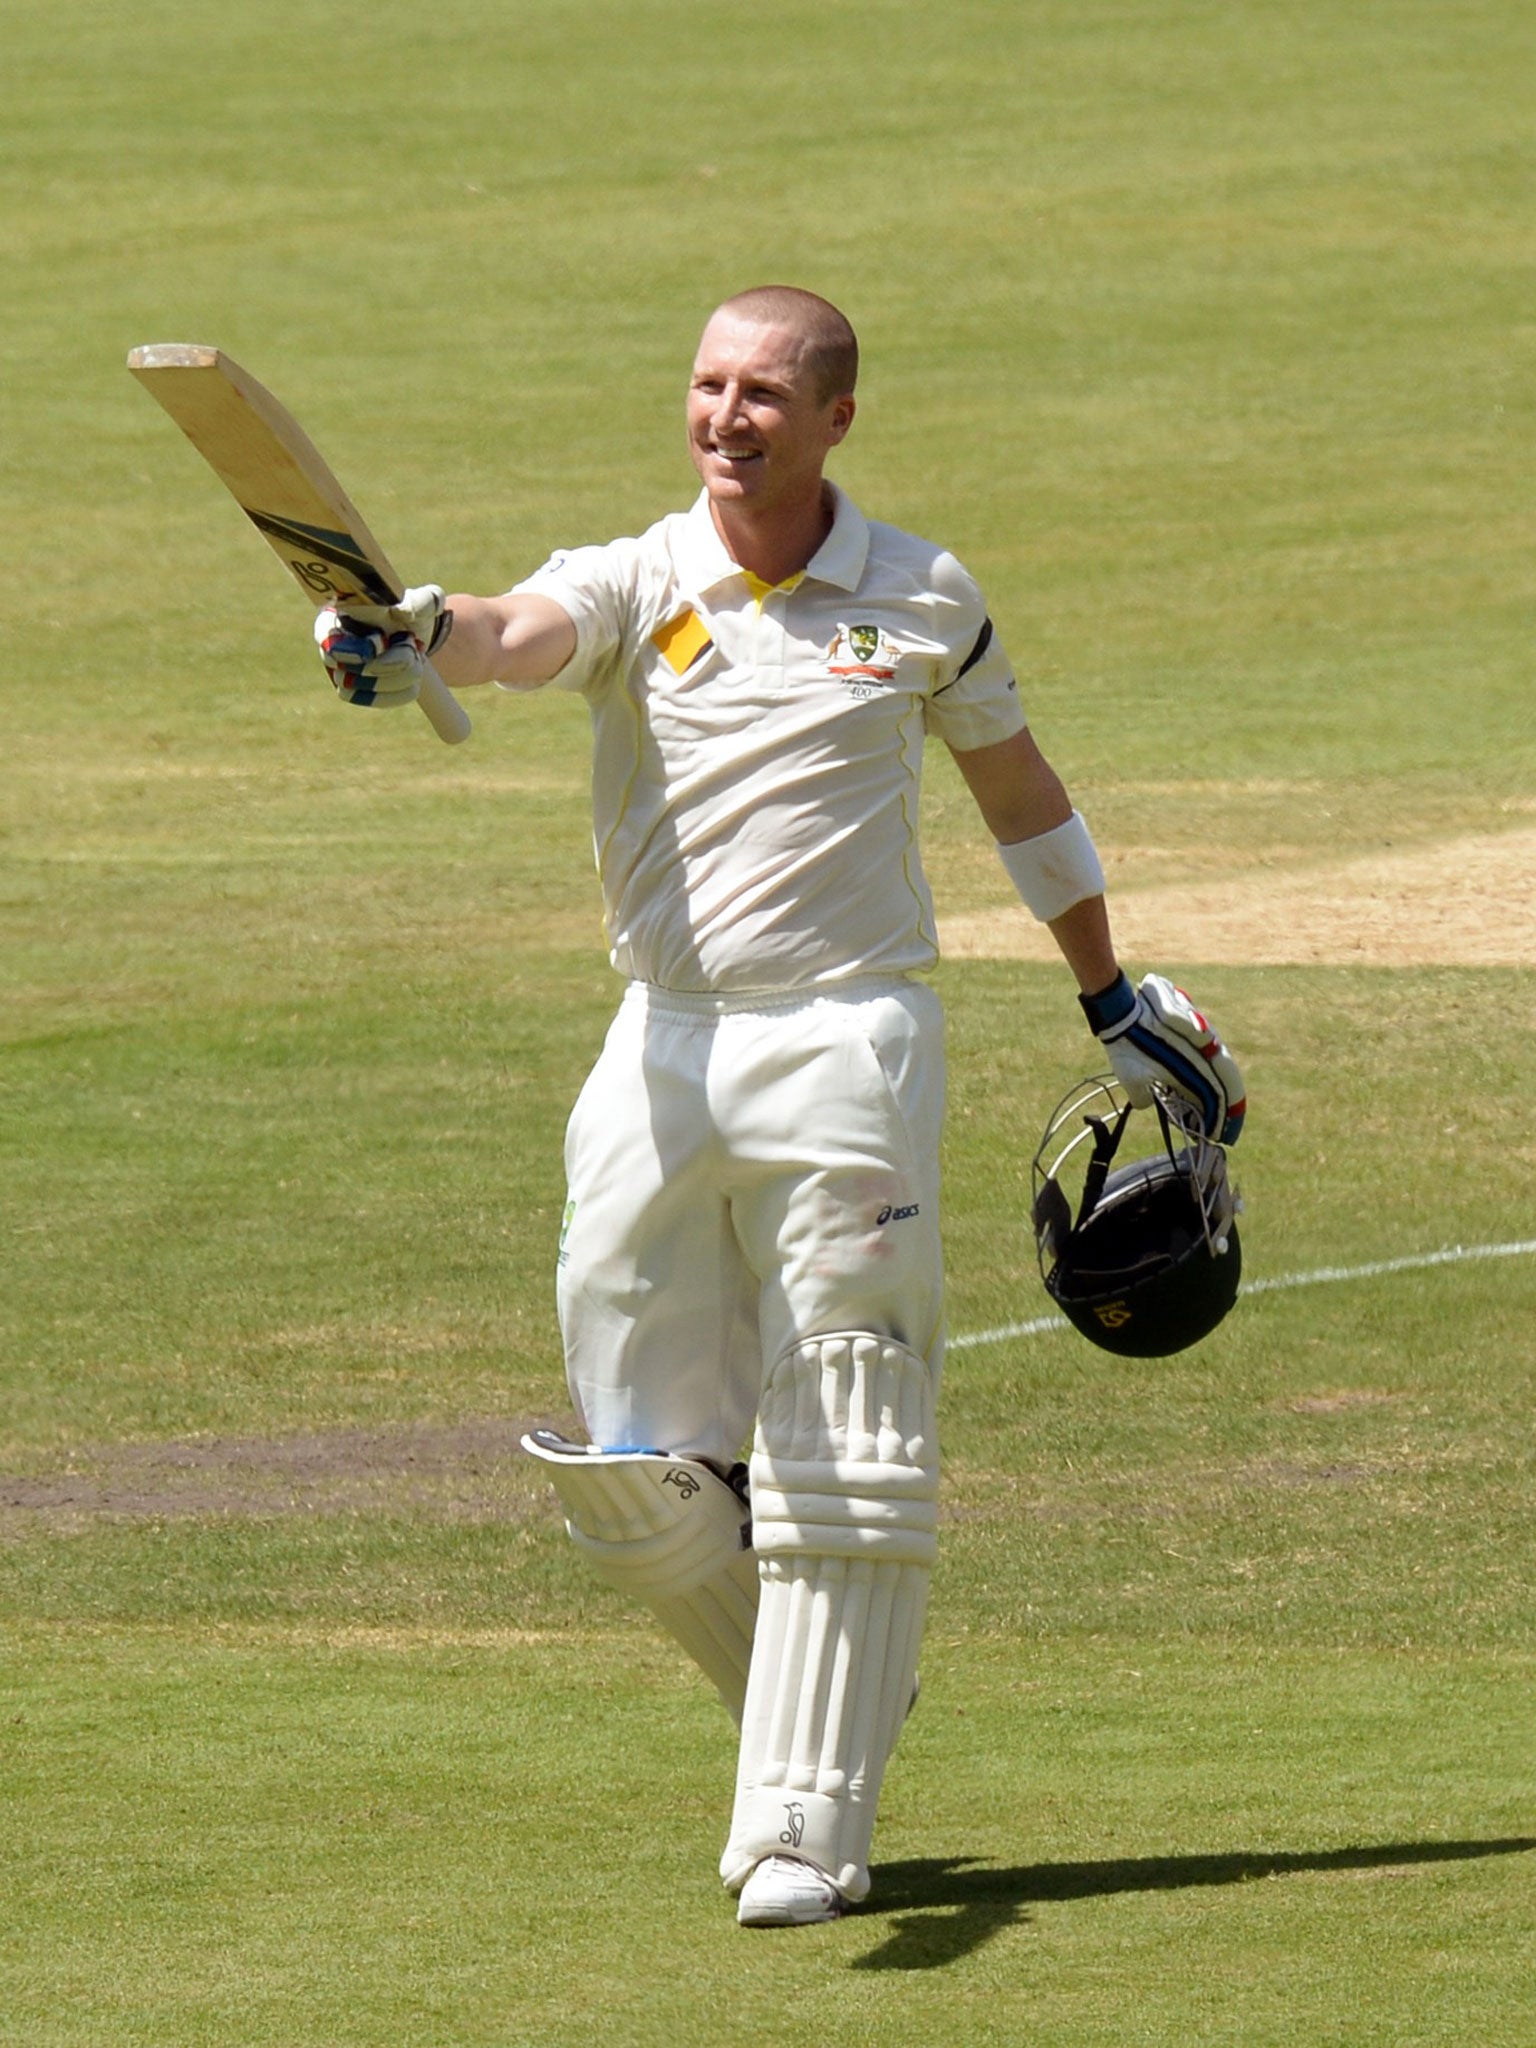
(844, 1498)
(671, 1533)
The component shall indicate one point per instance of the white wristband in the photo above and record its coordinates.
(1055, 869)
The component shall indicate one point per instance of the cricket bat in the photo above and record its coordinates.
(285, 487)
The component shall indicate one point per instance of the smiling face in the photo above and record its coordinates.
(760, 427)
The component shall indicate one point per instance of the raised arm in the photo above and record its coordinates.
(375, 655)
(522, 641)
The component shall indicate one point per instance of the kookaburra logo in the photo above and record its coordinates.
(685, 1482)
(863, 651)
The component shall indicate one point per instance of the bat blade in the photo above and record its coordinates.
(284, 486)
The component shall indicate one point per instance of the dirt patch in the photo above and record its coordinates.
(462, 1472)
(1468, 902)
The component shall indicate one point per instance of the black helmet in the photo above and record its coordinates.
(1152, 1262)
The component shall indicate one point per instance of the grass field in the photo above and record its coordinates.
(1203, 334)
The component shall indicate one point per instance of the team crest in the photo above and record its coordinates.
(863, 652)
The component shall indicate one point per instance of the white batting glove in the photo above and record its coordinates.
(1154, 1035)
(421, 612)
(375, 654)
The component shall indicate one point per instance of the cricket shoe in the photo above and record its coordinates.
(786, 1891)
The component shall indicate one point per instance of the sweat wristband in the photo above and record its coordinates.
(1055, 869)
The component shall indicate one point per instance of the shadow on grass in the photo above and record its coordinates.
(944, 1907)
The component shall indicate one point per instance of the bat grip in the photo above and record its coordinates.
(446, 714)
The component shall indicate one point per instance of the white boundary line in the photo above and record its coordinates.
(1418, 1262)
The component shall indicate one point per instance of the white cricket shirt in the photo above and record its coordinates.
(757, 751)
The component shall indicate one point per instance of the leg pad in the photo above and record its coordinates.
(845, 1461)
(844, 1494)
(671, 1533)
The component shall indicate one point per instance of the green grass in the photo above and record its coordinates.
(1201, 333)
(315, 1838)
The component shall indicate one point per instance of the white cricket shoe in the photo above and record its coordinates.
(786, 1891)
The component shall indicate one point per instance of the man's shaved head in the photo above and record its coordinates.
(831, 346)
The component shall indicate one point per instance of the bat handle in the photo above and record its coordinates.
(447, 715)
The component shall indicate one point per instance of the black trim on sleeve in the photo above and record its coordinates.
(983, 642)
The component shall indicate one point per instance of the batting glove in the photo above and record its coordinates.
(375, 654)
(1155, 1036)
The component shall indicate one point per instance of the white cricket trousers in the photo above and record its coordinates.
(744, 1173)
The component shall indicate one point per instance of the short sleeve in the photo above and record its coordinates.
(975, 701)
(596, 588)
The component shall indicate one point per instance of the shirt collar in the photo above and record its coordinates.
(703, 561)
